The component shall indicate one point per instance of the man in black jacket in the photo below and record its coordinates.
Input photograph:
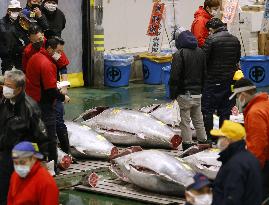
(12, 38)
(186, 81)
(238, 181)
(33, 10)
(223, 52)
(20, 119)
(55, 17)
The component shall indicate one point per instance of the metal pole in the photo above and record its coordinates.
(98, 45)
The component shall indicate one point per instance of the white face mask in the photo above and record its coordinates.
(22, 170)
(56, 56)
(204, 199)
(214, 12)
(8, 92)
(14, 15)
(221, 144)
(50, 6)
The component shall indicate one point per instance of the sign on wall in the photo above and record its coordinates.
(230, 8)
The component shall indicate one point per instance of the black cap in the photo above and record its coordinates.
(242, 85)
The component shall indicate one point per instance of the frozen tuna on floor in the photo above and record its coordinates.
(168, 113)
(86, 143)
(205, 162)
(130, 127)
(154, 171)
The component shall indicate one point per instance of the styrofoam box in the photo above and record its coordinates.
(251, 21)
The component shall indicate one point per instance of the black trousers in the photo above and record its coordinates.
(6, 170)
(265, 180)
(216, 98)
(49, 119)
(61, 128)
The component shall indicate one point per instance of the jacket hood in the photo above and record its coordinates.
(186, 40)
(258, 98)
(201, 12)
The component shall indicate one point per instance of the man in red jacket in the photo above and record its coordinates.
(38, 41)
(256, 121)
(31, 183)
(201, 17)
(41, 85)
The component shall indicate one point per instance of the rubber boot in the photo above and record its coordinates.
(64, 141)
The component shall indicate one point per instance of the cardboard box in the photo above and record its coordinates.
(263, 44)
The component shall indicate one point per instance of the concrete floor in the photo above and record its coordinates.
(135, 95)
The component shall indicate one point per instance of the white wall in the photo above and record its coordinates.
(126, 21)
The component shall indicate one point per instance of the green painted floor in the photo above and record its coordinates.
(133, 96)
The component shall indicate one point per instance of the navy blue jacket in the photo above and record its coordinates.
(239, 179)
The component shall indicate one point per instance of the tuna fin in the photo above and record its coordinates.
(141, 135)
(80, 149)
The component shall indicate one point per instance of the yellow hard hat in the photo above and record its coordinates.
(238, 75)
(230, 130)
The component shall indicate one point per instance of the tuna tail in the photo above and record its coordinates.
(93, 180)
(114, 153)
(176, 141)
(91, 113)
(65, 162)
(127, 151)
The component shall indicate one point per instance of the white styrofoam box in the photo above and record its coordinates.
(251, 20)
(246, 2)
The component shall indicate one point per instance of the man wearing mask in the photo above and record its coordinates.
(33, 10)
(20, 119)
(31, 183)
(41, 73)
(55, 17)
(223, 51)
(256, 121)
(199, 192)
(239, 178)
(201, 17)
(12, 39)
(38, 41)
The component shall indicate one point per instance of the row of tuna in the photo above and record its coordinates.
(100, 129)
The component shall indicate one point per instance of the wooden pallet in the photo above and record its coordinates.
(125, 190)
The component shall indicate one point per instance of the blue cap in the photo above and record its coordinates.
(26, 149)
(200, 181)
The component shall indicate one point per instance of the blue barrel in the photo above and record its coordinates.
(117, 70)
(256, 69)
(165, 79)
(152, 71)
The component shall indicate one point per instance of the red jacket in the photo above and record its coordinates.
(29, 51)
(40, 68)
(38, 188)
(256, 116)
(201, 17)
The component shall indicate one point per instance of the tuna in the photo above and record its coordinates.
(168, 113)
(154, 171)
(86, 143)
(205, 162)
(131, 127)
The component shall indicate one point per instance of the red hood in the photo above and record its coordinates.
(202, 13)
(258, 98)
